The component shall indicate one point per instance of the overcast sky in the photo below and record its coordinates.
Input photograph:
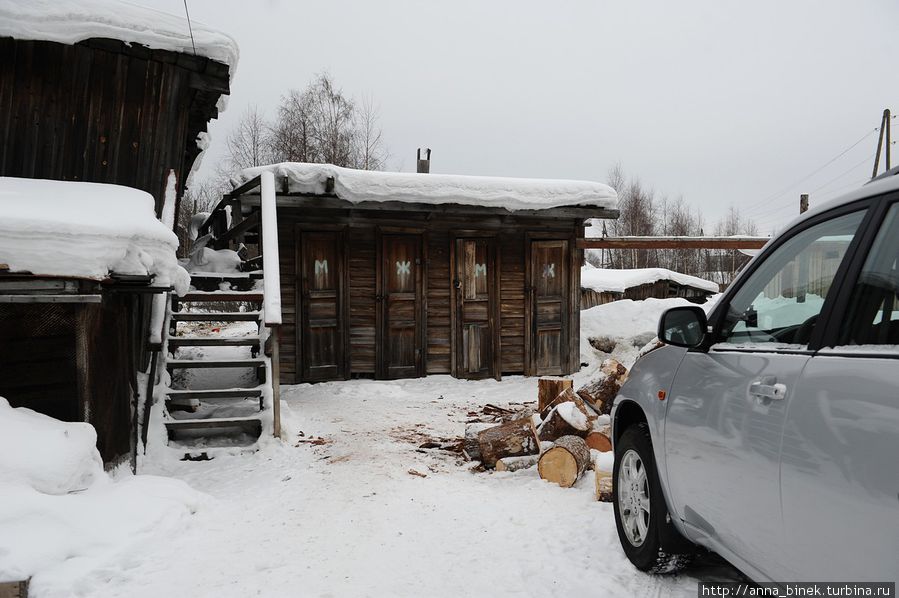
(720, 102)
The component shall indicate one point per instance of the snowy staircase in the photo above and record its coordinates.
(217, 399)
(223, 348)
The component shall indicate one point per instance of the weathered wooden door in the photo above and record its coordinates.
(476, 289)
(322, 329)
(549, 307)
(400, 344)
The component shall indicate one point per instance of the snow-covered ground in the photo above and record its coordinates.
(335, 511)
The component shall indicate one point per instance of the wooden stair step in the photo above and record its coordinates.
(176, 364)
(212, 341)
(227, 393)
(222, 316)
(253, 424)
(216, 276)
(219, 296)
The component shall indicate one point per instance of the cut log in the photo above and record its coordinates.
(512, 439)
(549, 388)
(602, 469)
(516, 463)
(565, 462)
(566, 396)
(601, 392)
(470, 447)
(599, 441)
(564, 420)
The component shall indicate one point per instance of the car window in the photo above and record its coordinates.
(777, 306)
(873, 313)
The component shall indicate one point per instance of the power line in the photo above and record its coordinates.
(190, 28)
(836, 178)
(816, 171)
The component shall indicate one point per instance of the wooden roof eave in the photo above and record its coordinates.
(331, 201)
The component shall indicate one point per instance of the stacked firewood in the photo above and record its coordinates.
(567, 434)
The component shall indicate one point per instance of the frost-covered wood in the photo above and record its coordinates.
(601, 392)
(567, 396)
(565, 462)
(564, 420)
(516, 463)
(512, 439)
(550, 388)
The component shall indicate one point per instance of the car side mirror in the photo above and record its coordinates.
(683, 326)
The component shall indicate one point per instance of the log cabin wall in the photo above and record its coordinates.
(362, 234)
(103, 111)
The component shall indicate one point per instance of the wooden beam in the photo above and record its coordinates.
(313, 202)
(51, 298)
(673, 243)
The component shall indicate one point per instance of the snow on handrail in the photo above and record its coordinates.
(271, 272)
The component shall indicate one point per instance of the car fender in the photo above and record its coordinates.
(646, 388)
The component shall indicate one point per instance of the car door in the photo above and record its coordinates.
(728, 402)
(840, 458)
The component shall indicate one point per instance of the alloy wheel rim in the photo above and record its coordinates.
(633, 497)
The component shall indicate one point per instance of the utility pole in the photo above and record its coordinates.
(803, 203)
(884, 132)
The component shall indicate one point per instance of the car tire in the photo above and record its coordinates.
(640, 509)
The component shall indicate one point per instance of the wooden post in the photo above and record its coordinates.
(803, 203)
(276, 379)
(883, 126)
(886, 119)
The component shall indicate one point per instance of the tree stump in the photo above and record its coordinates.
(516, 463)
(512, 439)
(565, 462)
(549, 388)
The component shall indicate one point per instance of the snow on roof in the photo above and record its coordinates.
(71, 21)
(512, 194)
(616, 281)
(85, 230)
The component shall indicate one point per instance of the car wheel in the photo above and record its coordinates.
(640, 508)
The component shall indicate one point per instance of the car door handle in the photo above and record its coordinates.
(773, 391)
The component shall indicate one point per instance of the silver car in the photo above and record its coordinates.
(768, 431)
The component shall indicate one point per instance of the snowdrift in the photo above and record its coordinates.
(61, 515)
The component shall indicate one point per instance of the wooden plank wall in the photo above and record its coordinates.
(440, 282)
(361, 248)
(512, 302)
(661, 289)
(362, 263)
(104, 112)
(287, 254)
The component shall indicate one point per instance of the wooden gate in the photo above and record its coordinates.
(400, 344)
(323, 325)
(476, 318)
(549, 307)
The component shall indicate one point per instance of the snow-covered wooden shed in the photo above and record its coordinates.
(107, 92)
(398, 275)
(81, 266)
(95, 91)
